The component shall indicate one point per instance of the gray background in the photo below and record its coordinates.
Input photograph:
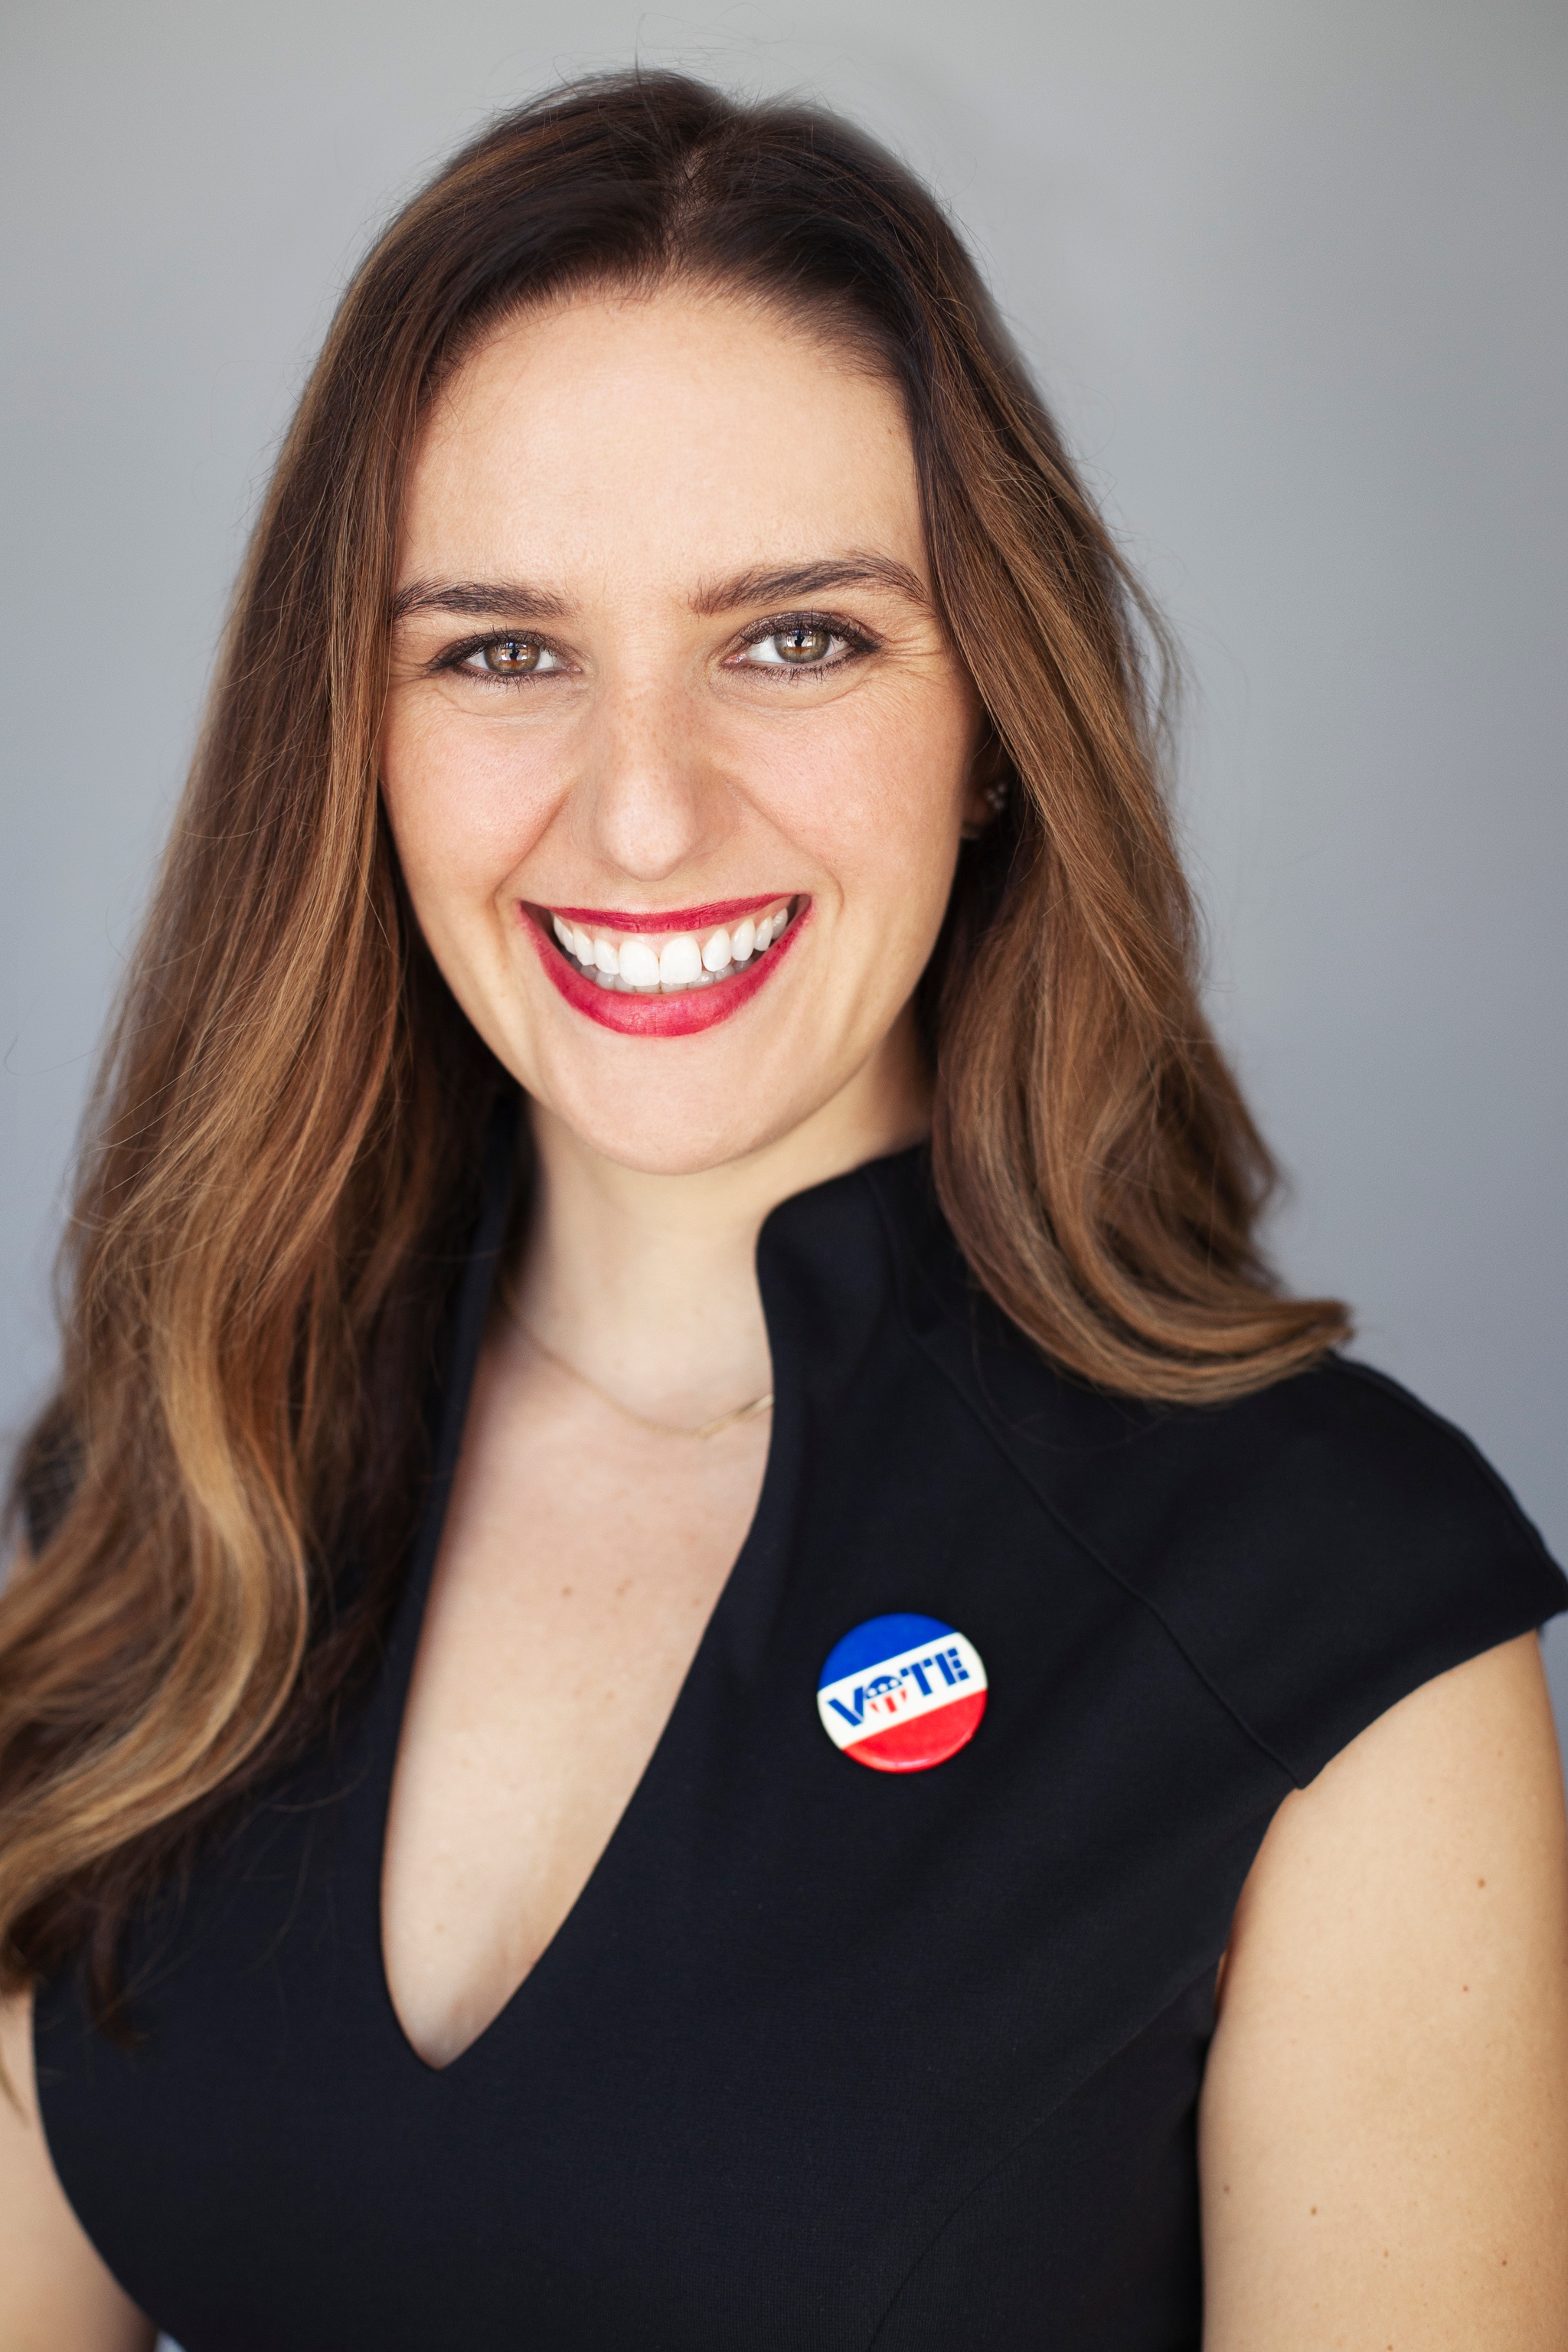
(1289, 269)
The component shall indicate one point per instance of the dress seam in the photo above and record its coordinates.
(1012, 2148)
(989, 1422)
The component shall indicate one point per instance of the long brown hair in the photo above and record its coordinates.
(281, 1155)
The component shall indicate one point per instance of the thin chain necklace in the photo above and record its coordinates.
(730, 1419)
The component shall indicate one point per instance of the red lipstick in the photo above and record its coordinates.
(677, 918)
(684, 1011)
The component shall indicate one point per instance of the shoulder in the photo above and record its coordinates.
(1391, 2053)
(1318, 1549)
(1323, 1548)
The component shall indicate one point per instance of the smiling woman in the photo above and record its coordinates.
(689, 1592)
(673, 713)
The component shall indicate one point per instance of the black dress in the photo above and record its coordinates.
(824, 2058)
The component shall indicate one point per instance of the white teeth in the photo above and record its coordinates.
(680, 961)
(639, 965)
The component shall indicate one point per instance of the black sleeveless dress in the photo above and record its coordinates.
(825, 2058)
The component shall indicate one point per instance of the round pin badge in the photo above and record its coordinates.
(901, 1692)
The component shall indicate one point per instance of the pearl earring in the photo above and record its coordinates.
(994, 796)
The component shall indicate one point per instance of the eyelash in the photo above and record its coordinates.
(457, 657)
(857, 643)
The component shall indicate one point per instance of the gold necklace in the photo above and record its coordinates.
(663, 1428)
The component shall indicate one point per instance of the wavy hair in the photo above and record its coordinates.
(280, 1159)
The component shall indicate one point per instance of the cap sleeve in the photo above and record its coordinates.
(1318, 1551)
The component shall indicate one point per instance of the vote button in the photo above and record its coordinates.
(901, 1692)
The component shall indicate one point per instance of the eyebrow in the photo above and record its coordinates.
(759, 587)
(485, 600)
(520, 601)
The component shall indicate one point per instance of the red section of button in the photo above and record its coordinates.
(929, 1739)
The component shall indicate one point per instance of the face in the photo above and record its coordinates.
(676, 753)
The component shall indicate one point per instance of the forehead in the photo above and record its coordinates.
(667, 435)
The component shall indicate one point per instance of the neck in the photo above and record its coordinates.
(646, 1283)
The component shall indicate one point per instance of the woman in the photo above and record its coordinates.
(690, 1607)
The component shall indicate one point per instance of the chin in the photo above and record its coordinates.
(647, 1131)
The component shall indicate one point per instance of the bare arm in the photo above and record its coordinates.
(55, 2294)
(1384, 2123)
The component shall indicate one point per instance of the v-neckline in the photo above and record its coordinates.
(476, 1293)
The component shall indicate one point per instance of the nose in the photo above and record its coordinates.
(648, 799)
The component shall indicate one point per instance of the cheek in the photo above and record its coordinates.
(875, 797)
(464, 801)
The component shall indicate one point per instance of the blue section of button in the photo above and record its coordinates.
(878, 1638)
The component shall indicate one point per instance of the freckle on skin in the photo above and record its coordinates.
(1481, 1882)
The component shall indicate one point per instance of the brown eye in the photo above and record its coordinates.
(803, 644)
(799, 645)
(509, 657)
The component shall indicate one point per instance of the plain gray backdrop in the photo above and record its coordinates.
(1289, 269)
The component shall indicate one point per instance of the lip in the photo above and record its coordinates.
(680, 1016)
(670, 918)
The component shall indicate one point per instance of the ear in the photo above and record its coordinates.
(990, 774)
